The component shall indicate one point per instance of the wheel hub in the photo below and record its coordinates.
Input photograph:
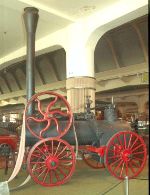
(51, 163)
(126, 155)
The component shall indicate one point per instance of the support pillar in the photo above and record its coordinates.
(80, 83)
(78, 90)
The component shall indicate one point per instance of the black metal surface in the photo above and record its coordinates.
(30, 19)
(89, 132)
(110, 113)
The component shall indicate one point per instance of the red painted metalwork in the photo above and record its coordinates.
(51, 162)
(125, 155)
(11, 140)
(92, 156)
(49, 115)
(100, 151)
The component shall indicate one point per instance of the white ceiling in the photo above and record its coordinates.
(54, 15)
(112, 50)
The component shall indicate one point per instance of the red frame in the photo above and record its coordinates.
(10, 140)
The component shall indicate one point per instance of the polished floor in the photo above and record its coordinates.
(85, 181)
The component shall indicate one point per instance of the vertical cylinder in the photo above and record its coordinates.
(126, 185)
(30, 19)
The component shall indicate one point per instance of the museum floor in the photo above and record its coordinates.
(85, 181)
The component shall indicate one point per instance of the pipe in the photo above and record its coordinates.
(30, 20)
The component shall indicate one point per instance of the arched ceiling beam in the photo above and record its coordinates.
(135, 26)
(40, 74)
(53, 65)
(123, 94)
(50, 64)
(109, 41)
(55, 86)
(16, 79)
(122, 72)
(6, 82)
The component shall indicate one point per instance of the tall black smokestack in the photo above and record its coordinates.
(30, 19)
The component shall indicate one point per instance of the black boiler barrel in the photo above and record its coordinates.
(30, 19)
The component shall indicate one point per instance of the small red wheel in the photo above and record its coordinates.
(92, 160)
(125, 155)
(51, 162)
(47, 116)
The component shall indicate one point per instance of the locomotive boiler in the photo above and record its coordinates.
(52, 131)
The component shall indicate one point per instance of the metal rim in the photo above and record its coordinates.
(49, 115)
(51, 162)
(91, 162)
(125, 155)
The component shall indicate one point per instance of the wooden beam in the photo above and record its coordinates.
(135, 26)
(55, 86)
(109, 41)
(40, 74)
(6, 82)
(16, 79)
(53, 65)
(121, 72)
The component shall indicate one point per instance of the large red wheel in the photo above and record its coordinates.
(92, 159)
(47, 116)
(51, 162)
(125, 155)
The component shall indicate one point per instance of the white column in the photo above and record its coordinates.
(80, 71)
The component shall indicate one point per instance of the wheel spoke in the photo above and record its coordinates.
(56, 175)
(41, 151)
(36, 169)
(121, 172)
(115, 162)
(130, 140)
(134, 143)
(137, 147)
(132, 169)
(56, 111)
(142, 152)
(57, 126)
(35, 119)
(135, 163)
(124, 137)
(57, 148)
(47, 150)
(65, 156)
(45, 176)
(52, 147)
(46, 128)
(140, 159)
(119, 141)
(62, 151)
(117, 167)
(62, 172)
(51, 104)
(39, 106)
(41, 172)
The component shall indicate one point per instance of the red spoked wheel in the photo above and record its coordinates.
(93, 160)
(47, 117)
(51, 162)
(125, 155)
